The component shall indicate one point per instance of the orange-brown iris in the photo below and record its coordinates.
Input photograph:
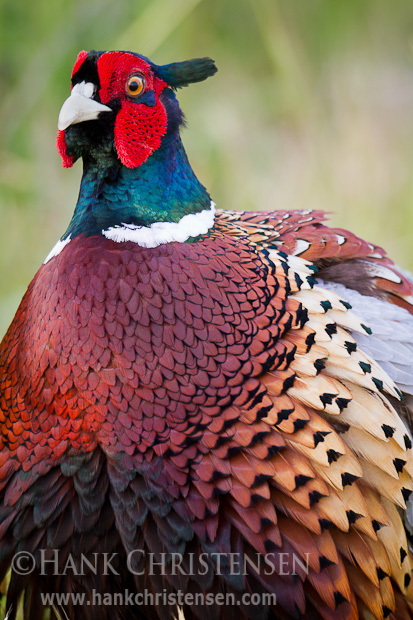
(135, 85)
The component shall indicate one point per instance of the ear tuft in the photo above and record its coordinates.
(178, 74)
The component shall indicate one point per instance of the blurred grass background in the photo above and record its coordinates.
(312, 107)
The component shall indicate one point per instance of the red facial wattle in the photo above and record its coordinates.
(67, 160)
(139, 127)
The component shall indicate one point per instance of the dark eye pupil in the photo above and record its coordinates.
(134, 85)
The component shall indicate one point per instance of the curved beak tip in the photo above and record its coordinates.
(78, 109)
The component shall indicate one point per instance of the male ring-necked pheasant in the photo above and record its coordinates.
(222, 385)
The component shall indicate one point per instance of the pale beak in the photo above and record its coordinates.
(80, 106)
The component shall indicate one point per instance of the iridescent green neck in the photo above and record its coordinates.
(163, 189)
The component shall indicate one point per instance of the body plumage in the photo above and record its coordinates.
(185, 382)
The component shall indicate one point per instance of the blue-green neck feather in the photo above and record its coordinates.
(163, 189)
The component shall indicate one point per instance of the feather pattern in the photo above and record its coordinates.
(235, 394)
(391, 343)
(289, 443)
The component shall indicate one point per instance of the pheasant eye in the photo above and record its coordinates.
(135, 85)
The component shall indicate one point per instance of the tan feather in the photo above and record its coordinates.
(374, 504)
(330, 441)
(334, 472)
(314, 298)
(393, 538)
(311, 391)
(333, 510)
(380, 453)
(386, 485)
(349, 370)
(369, 411)
(302, 338)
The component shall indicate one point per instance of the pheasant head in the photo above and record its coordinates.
(122, 103)
(123, 119)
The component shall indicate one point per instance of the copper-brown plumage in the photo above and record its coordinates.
(207, 397)
(283, 466)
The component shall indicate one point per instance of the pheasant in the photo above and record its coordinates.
(207, 411)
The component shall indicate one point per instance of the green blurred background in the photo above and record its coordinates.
(312, 107)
